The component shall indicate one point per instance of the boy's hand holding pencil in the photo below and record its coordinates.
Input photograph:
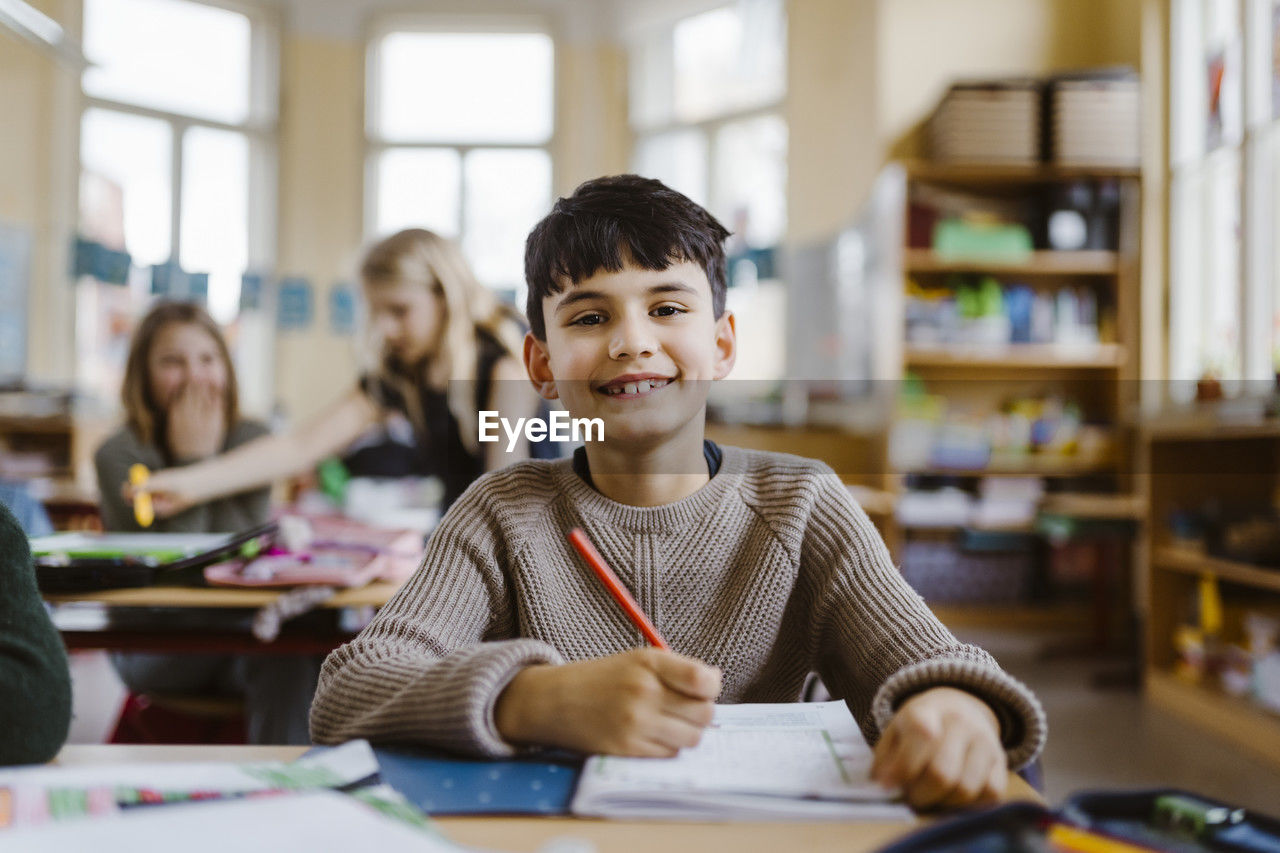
(643, 702)
(649, 703)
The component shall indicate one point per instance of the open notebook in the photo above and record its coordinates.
(764, 762)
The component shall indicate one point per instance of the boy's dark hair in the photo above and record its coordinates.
(608, 221)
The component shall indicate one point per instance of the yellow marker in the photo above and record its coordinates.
(142, 509)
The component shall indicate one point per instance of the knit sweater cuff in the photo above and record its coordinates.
(503, 662)
(1023, 727)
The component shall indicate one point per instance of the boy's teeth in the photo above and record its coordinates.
(629, 388)
(643, 385)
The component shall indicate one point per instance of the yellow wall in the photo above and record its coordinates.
(35, 187)
(831, 114)
(321, 155)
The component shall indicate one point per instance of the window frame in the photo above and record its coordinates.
(710, 127)
(261, 130)
(1190, 175)
(375, 146)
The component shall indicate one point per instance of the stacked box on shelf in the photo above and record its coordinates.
(1095, 121)
(994, 121)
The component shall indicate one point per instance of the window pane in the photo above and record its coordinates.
(1221, 225)
(650, 80)
(464, 87)
(751, 179)
(507, 193)
(134, 155)
(1223, 72)
(169, 54)
(678, 159)
(1186, 358)
(1188, 85)
(1262, 70)
(215, 213)
(730, 58)
(417, 188)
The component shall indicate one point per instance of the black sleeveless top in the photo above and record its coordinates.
(440, 451)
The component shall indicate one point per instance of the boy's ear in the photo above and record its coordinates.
(537, 363)
(726, 344)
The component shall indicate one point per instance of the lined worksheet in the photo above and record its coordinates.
(803, 760)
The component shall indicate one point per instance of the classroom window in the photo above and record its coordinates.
(1224, 159)
(178, 133)
(706, 111)
(470, 159)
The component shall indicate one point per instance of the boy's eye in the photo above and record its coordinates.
(592, 319)
(668, 311)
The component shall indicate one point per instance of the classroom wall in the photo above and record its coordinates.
(833, 152)
(320, 203)
(36, 191)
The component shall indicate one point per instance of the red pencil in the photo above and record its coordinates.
(619, 592)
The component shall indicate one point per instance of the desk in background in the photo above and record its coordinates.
(299, 637)
(523, 833)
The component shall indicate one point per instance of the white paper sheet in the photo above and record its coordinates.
(806, 761)
(305, 822)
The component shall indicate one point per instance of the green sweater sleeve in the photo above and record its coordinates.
(35, 686)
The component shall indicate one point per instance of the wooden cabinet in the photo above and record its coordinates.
(1183, 466)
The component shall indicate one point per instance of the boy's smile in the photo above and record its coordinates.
(635, 348)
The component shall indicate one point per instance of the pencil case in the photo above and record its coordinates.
(1164, 819)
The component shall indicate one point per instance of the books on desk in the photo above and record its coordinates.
(799, 761)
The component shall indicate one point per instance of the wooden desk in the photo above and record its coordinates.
(290, 641)
(375, 594)
(527, 833)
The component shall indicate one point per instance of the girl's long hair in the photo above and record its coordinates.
(142, 412)
(424, 258)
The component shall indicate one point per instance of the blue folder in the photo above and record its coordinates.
(446, 785)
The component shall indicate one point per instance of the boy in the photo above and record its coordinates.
(757, 567)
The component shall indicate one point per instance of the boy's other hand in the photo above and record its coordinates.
(943, 749)
(644, 702)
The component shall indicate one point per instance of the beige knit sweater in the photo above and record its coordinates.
(769, 571)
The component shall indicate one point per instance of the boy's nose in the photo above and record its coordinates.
(633, 339)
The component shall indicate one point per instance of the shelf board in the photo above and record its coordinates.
(1049, 466)
(1036, 263)
(1106, 507)
(1192, 562)
(1068, 616)
(1019, 356)
(373, 594)
(1236, 720)
(1042, 173)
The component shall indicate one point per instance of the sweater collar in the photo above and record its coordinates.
(683, 513)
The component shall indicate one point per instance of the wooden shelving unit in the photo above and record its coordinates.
(1236, 720)
(983, 377)
(1186, 462)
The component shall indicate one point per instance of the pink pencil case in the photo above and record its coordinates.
(343, 553)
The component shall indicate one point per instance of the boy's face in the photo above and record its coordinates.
(636, 348)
